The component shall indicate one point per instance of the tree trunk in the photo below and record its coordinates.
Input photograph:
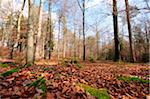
(146, 1)
(48, 43)
(3, 36)
(97, 43)
(116, 38)
(40, 45)
(83, 12)
(79, 44)
(50, 30)
(65, 38)
(58, 51)
(147, 38)
(18, 25)
(129, 30)
(30, 36)
(74, 40)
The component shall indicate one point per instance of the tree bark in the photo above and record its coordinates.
(97, 43)
(50, 30)
(65, 38)
(48, 43)
(130, 31)
(40, 44)
(116, 38)
(58, 48)
(30, 36)
(147, 38)
(65, 30)
(83, 12)
(79, 44)
(19, 25)
(74, 36)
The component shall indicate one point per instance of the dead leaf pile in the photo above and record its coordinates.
(62, 82)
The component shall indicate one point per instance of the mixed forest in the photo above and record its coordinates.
(74, 49)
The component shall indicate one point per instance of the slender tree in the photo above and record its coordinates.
(48, 41)
(59, 31)
(97, 43)
(19, 23)
(65, 30)
(146, 1)
(130, 31)
(115, 23)
(30, 36)
(40, 45)
(83, 26)
(64, 35)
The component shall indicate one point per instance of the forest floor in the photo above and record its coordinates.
(119, 80)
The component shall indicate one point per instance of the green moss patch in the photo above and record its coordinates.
(40, 84)
(99, 93)
(3, 65)
(10, 72)
(134, 79)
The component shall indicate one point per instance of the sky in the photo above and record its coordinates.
(97, 10)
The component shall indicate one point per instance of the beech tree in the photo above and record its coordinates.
(40, 44)
(30, 36)
(130, 31)
(83, 26)
(19, 25)
(49, 35)
(116, 38)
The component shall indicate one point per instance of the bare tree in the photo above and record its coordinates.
(97, 43)
(19, 23)
(65, 30)
(40, 45)
(30, 36)
(146, 1)
(49, 42)
(59, 31)
(116, 38)
(129, 30)
(83, 25)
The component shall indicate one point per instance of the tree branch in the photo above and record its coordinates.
(79, 5)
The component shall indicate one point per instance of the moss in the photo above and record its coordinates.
(10, 72)
(4, 65)
(79, 65)
(134, 79)
(37, 82)
(91, 59)
(28, 65)
(75, 60)
(99, 93)
(46, 69)
(40, 84)
(52, 68)
(65, 62)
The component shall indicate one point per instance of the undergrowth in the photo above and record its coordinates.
(40, 84)
(10, 72)
(135, 79)
(73, 61)
(3, 65)
(99, 93)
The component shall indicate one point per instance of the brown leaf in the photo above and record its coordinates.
(49, 96)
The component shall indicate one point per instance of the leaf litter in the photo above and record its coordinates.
(55, 82)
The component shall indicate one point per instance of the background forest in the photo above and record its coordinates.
(55, 29)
